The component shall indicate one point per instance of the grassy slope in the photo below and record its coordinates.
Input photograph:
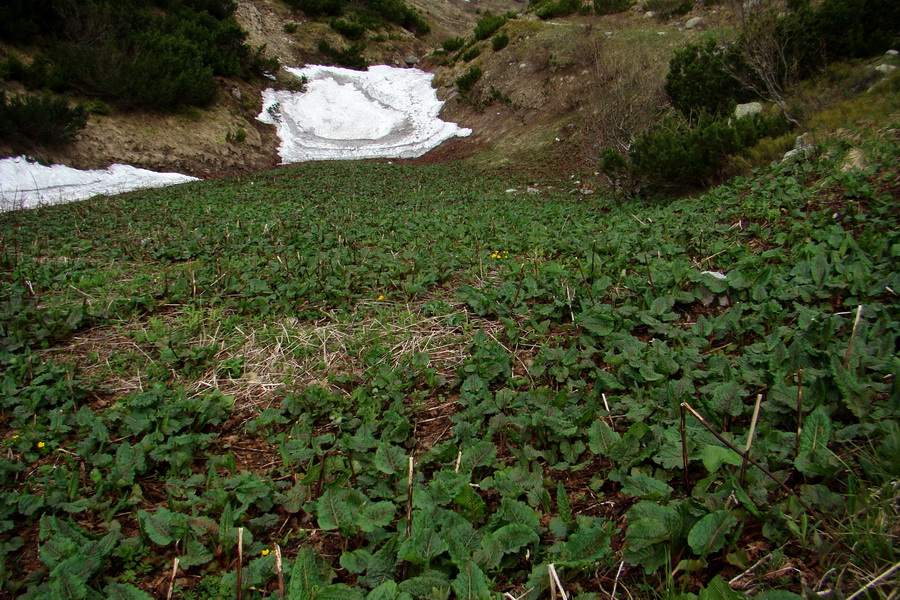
(267, 351)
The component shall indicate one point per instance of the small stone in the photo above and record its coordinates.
(533, 190)
(693, 23)
(885, 69)
(891, 53)
(747, 110)
(649, 14)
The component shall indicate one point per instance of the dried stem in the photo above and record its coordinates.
(409, 499)
(280, 570)
(852, 336)
(616, 581)
(750, 438)
(240, 565)
(555, 583)
(172, 579)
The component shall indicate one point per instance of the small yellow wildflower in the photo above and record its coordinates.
(15, 437)
(41, 444)
(381, 296)
(265, 552)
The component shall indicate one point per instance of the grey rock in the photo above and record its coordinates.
(747, 110)
(693, 23)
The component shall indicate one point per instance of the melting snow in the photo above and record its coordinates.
(384, 112)
(26, 184)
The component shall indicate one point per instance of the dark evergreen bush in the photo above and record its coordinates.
(499, 41)
(28, 120)
(348, 29)
(488, 25)
(699, 80)
(676, 154)
(609, 7)
(559, 8)
(350, 57)
(466, 81)
(453, 44)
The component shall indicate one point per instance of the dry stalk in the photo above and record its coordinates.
(616, 581)
(750, 438)
(409, 499)
(555, 583)
(852, 336)
(240, 564)
(172, 579)
(280, 570)
(887, 573)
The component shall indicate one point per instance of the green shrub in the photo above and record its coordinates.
(237, 137)
(471, 53)
(466, 81)
(488, 26)
(609, 7)
(25, 120)
(350, 57)
(676, 154)
(559, 8)
(348, 29)
(666, 9)
(453, 44)
(499, 41)
(699, 80)
(290, 27)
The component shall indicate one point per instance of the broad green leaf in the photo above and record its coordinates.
(646, 487)
(514, 536)
(602, 438)
(470, 583)
(305, 576)
(390, 459)
(481, 454)
(157, 525)
(715, 456)
(386, 591)
(356, 561)
(515, 511)
(463, 539)
(587, 546)
(195, 554)
(333, 510)
(817, 429)
(708, 534)
(375, 515)
(428, 585)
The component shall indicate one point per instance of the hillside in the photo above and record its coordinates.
(266, 357)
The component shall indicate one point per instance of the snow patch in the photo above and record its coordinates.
(27, 184)
(384, 112)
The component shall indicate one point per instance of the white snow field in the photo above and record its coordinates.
(26, 184)
(385, 112)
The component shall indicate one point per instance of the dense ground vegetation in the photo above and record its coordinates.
(420, 385)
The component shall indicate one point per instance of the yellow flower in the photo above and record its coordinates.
(381, 296)
(265, 552)
(41, 444)
(15, 437)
